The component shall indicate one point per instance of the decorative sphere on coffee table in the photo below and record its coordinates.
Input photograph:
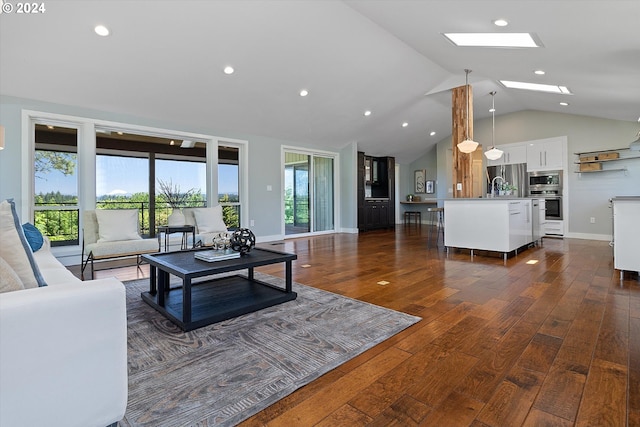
(242, 240)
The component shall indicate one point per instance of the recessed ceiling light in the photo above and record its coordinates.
(432, 133)
(367, 113)
(405, 124)
(564, 104)
(304, 92)
(539, 72)
(101, 30)
(536, 87)
(513, 40)
(50, 127)
(172, 142)
(228, 69)
(500, 23)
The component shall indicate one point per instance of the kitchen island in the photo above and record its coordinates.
(501, 224)
(626, 233)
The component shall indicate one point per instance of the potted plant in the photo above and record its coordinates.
(176, 199)
(508, 189)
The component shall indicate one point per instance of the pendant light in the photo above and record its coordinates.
(493, 153)
(468, 145)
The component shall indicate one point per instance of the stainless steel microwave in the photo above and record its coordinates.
(547, 180)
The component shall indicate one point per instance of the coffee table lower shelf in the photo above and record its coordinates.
(218, 299)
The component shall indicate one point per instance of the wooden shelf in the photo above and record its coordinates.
(603, 170)
(595, 160)
(607, 160)
(613, 150)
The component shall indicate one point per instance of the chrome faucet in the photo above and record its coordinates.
(493, 181)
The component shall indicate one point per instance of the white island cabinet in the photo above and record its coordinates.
(626, 234)
(500, 224)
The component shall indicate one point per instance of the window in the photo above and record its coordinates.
(309, 189)
(90, 161)
(228, 185)
(56, 212)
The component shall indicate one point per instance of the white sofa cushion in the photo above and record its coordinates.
(9, 280)
(209, 220)
(15, 249)
(117, 224)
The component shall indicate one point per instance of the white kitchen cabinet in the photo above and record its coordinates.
(553, 227)
(513, 153)
(545, 155)
(501, 225)
(541, 220)
(626, 234)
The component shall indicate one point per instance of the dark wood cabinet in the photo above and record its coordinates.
(376, 192)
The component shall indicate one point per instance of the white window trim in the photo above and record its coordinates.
(87, 166)
(336, 189)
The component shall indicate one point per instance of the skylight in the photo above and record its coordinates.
(537, 87)
(512, 40)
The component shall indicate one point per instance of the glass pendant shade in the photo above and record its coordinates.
(467, 146)
(493, 154)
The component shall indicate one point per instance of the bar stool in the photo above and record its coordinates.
(411, 215)
(436, 214)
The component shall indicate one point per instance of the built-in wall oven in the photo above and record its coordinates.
(553, 208)
(547, 185)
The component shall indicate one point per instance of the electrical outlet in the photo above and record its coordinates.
(459, 186)
(593, 220)
(252, 223)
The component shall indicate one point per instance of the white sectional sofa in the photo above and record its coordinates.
(63, 347)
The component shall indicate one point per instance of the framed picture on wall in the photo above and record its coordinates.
(419, 176)
(430, 187)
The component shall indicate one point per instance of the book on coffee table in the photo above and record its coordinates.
(216, 255)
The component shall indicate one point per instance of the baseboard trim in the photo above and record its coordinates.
(589, 236)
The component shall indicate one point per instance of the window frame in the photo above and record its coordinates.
(86, 152)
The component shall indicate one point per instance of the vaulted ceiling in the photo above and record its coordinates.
(164, 60)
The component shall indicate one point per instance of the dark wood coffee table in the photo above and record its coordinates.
(213, 299)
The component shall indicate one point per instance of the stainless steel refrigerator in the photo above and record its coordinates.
(515, 175)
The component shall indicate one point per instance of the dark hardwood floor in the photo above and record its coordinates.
(551, 337)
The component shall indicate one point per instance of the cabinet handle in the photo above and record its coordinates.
(541, 158)
(545, 158)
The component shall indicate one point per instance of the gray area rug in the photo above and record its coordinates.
(222, 374)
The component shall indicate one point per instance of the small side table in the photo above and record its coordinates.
(184, 229)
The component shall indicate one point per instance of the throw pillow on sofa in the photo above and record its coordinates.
(15, 249)
(33, 236)
(9, 280)
(117, 224)
(209, 220)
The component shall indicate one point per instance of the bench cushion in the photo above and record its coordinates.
(122, 248)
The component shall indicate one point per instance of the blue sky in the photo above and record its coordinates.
(130, 175)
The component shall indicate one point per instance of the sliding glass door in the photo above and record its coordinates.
(308, 193)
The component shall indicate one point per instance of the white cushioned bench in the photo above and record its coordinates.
(118, 237)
